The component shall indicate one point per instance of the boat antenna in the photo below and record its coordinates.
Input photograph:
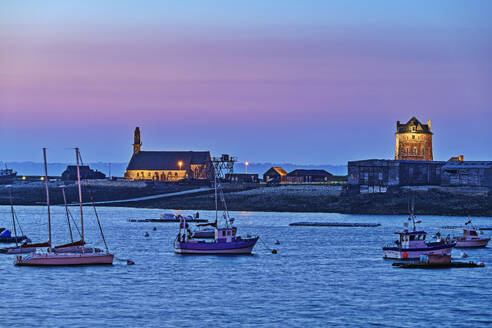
(66, 212)
(13, 216)
(47, 196)
(77, 155)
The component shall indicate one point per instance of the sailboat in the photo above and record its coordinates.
(25, 247)
(5, 234)
(53, 258)
(225, 240)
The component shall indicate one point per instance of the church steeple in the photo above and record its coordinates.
(137, 144)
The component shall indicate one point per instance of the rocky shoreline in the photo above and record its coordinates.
(288, 198)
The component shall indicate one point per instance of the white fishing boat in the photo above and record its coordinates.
(54, 258)
(411, 244)
(470, 237)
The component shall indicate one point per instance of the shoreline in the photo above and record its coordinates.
(283, 199)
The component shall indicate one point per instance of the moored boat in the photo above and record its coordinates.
(470, 237)
(225, 240)
(72, 257)
(411, 244)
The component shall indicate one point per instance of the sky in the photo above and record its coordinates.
(308, 82)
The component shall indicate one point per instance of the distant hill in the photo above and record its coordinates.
(118, 169)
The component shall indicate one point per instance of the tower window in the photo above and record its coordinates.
(413, 136)
(415, 150)
(407, 150)
(413, 128)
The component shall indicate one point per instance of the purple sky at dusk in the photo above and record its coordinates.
(308, 82)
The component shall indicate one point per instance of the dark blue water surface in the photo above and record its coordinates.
(321, 276)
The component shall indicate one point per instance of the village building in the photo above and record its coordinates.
(242, 178)
(413, 141)
(275, 173)
(167, 165)
(85, 173)
(307, 176)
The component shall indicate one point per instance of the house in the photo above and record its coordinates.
(85, 173)
(275, 173)
(308, 176)
(242, 178)
(167, 165)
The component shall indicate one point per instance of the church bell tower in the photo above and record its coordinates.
(137, 144)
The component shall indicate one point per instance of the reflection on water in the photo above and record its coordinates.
(322, 276)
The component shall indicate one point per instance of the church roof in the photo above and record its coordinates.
(167, 160)
(413, 122)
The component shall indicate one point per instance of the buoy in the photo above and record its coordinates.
(274, 251)
(130, 262)
(146, 234)
(277, 242)
(154, 228)
(405, 255)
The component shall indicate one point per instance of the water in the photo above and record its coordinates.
(322, 276)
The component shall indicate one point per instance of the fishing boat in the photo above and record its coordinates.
(470, 237)
(5, 234)
(54, 258)
(7, 176)
(225, 240)
(411, 244)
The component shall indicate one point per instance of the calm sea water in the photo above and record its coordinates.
(321, 276)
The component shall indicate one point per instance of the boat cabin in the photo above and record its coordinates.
(470, 234)
(225, 235)
(410, 239)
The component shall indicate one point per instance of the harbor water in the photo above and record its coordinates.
(321, 276)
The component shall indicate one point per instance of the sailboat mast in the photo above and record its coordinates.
(215, 187)
(13, 216)
(80, 196)
(47, 196)
(66, 211)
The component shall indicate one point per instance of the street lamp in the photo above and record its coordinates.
(180, 163)
(246, 164)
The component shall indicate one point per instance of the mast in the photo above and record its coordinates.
(80, 196)
(13, 216)
(66, 211)
(47, 196)
(215, 185)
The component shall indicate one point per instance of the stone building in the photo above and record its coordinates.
(167, 165)
(413, 141)
(383, 174)
(85, 173)
(469, 173)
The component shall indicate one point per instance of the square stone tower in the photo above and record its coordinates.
(413, 141)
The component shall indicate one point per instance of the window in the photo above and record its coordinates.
(413, 136)
(415, 150)
(412, 237)
(148, 174)
(407, 150)
(223, 233)
(413, 128)
(418, 137)
(228, 232)
(137, 174)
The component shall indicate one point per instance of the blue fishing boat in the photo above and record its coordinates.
(225, 240)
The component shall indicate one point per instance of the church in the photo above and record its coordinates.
(167, 165)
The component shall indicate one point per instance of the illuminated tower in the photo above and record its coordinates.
(413, 141)
(137, 144)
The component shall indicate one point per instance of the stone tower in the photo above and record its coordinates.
(137, 144)
(413, 141)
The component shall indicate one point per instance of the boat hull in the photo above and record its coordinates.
(10, 240)
(66, 259)
(395, 253)
(18, 250)
(213, 248)
(475, 243)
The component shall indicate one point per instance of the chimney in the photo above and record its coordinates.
(429, 124)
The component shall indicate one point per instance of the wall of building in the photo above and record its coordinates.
(413, 146)
(171, 175)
